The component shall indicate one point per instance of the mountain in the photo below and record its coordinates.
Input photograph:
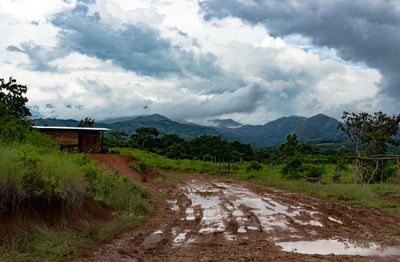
(129, 124)
(319, 130)
(56, 122)
(225, 123)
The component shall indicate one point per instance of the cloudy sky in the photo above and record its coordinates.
(249, 60)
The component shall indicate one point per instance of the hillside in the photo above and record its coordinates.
(318, 129)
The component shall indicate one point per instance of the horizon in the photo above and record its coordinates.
(198, 60)
(177, 120)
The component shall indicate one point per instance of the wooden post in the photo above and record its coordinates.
(382, 170)
(229, 167)
(219, 165)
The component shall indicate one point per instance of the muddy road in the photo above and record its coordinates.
(210, 219)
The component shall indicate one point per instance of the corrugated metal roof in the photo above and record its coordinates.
(73, 128)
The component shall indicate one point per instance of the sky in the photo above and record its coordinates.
(249, 60)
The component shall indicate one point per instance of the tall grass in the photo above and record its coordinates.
(31, 177)
(36, 176)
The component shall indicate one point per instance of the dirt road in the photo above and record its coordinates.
(209, 219)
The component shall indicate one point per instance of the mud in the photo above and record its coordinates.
(212, 219)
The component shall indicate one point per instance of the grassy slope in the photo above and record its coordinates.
(34, 173)
(347, 191)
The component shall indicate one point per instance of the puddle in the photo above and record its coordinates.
(180, 238)
(252, 228)
(158, 232)
(333, 246)
(241, 230)
(335, 220)
(213, 212)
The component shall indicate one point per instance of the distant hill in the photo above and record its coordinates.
(225, 123)
(129, 124)
(319, 130)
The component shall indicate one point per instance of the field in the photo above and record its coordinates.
(346, 191)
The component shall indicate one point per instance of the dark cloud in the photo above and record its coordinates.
(138, 47)
(360, 30)
(39, 56)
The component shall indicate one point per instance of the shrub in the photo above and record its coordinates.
(312, 171)
(254, 165)
(138, 166)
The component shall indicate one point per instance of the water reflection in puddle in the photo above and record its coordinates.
(333, 246)
(180, 238)
(213, 213)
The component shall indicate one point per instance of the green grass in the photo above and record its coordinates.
(36, 175)
(159, 180)
(44, 244)
(173, 178)
(346, 191)
(164, 195)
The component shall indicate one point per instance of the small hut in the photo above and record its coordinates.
(86, 139)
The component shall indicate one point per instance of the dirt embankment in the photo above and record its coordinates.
(210, 219)
(120, 162)
(53, 215)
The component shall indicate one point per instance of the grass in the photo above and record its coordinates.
(164, 195)
(33, 175)
(159, 180)
(346, 191)
(173, 178)
(44, 244)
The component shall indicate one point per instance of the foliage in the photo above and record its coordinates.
(12, 99)
(254, 165)
(371, 134)
(145, 137)
(87, 122)
(138, 166)
(116, 139)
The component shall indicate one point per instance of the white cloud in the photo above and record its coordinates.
(256, 77)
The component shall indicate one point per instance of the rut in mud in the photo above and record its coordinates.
(209, 219)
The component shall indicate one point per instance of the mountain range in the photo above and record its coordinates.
(319, 130)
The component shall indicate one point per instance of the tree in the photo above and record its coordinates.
(116, 138)
(145, 136)
(371, 134)
(290, 147)
(87, 122)
(12, 99)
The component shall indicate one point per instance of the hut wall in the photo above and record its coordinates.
(63, 137)
(90, 141)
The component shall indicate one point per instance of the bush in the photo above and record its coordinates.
(138, 166)
(254, 165)
(312, 171)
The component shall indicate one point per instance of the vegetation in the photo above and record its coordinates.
(87, 122)
(371, 134)
(35, 176)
